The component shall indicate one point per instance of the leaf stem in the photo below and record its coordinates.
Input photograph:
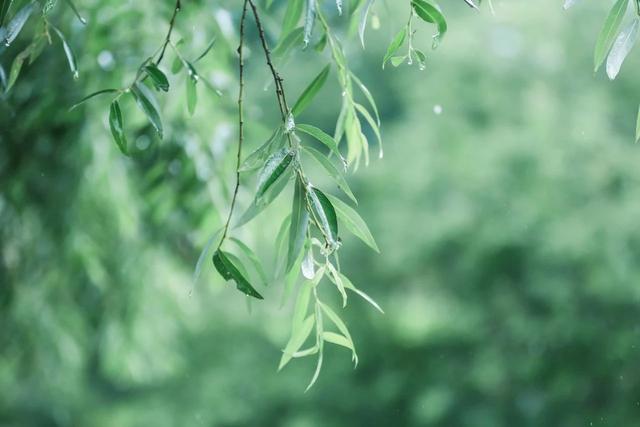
(240, 121)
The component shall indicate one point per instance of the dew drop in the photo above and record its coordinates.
(437, 109)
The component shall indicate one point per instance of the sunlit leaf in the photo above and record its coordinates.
(621, 48)
(396, 43)
(333, 172)
(353, 222)
(608, 32)
(299, 224)
(310, 92)
(430, 12)
(309, 21)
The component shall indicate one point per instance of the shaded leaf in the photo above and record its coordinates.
(430, 12)
(148, 104)
(230, 272)
(395, 44)
(76, 12)
(299, 224)
(192, 95)
(291, 16)
(117, 127)
(253, 258)
(293, 38)
(364, 17)
(322, 137)
(275, 166)
(333, 172)
(309, 21)
(324, 214)
(14, 26)
(71, 57)
(158, 78)
(88, 97)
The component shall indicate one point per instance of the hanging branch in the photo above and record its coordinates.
(240, 121)
(172, 23)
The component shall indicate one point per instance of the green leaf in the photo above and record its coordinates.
(299, 224)
(322, 137)
(192, 95)
(4, 9)
(158, 78)
(608, 32)
(16, 67)
(117, 128)
(291, 16)
(374, 126)
(148, 104)
(296, 341)
(310, 92)
(395, 44)
(431, 13)
(638, 126)
(253, 258)
(230, 272)
(621, 48)
(353, 222)
(258, 205)
(298, 323)
(324, 214)
(71, 57)
(367, 94)
(364, 17)
(257, 158)
(14, 26)
(76, 12)
(350, 286)
(335, 278)
(275, 166)
(285, 45)
(207, 50)
(203, 255)
(333, 316)
(94, 94)
(309, 21)
(333, 172)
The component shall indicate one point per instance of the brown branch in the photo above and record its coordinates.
(240, 121)
(172, 24)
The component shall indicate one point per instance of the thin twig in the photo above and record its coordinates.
(240, 121)
(172, 23)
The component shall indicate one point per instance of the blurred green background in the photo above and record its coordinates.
(506, 208)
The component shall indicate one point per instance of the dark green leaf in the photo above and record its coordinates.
(299, 224)
(148, 104)
(353, 222)
(16, 67)
(310, 92)
(324, 214)
(88, 97)
(158, 78)
(14, 26)
(333, 172)
(431, 13)
(608, 32)
(230, 272)
(258, 205)
(117, 128)
(275, 165)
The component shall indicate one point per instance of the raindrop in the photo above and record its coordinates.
(437, 109)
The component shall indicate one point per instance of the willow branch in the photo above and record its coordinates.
(172, 24)
(240, 121)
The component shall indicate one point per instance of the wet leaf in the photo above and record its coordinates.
(310, 92)
(231, 272)
(117, 127)
(353, 222)
(333, 172)
(608, 32)
(158, 78)
(621, 48)
(299, 224)
(148, 104)
(273, 168)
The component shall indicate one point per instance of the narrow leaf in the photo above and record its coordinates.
(431, 13)
(291, 16)
(14, 26)
(395, 44)
(230, 272)
(192, 95)
(207, 50)
(117, 128)
(309, 21)
(608, 32)
(275, 165)
(257, 158)
(158, 78)
(71, 57)
(76, 12)
(253, 258)
(148, 104)
(310, 92)
(353, 222)
(94, 94)
(299, 224)
(333, 172)
(324, 214)
(322, 137)
(621, 48)
(364, 17)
